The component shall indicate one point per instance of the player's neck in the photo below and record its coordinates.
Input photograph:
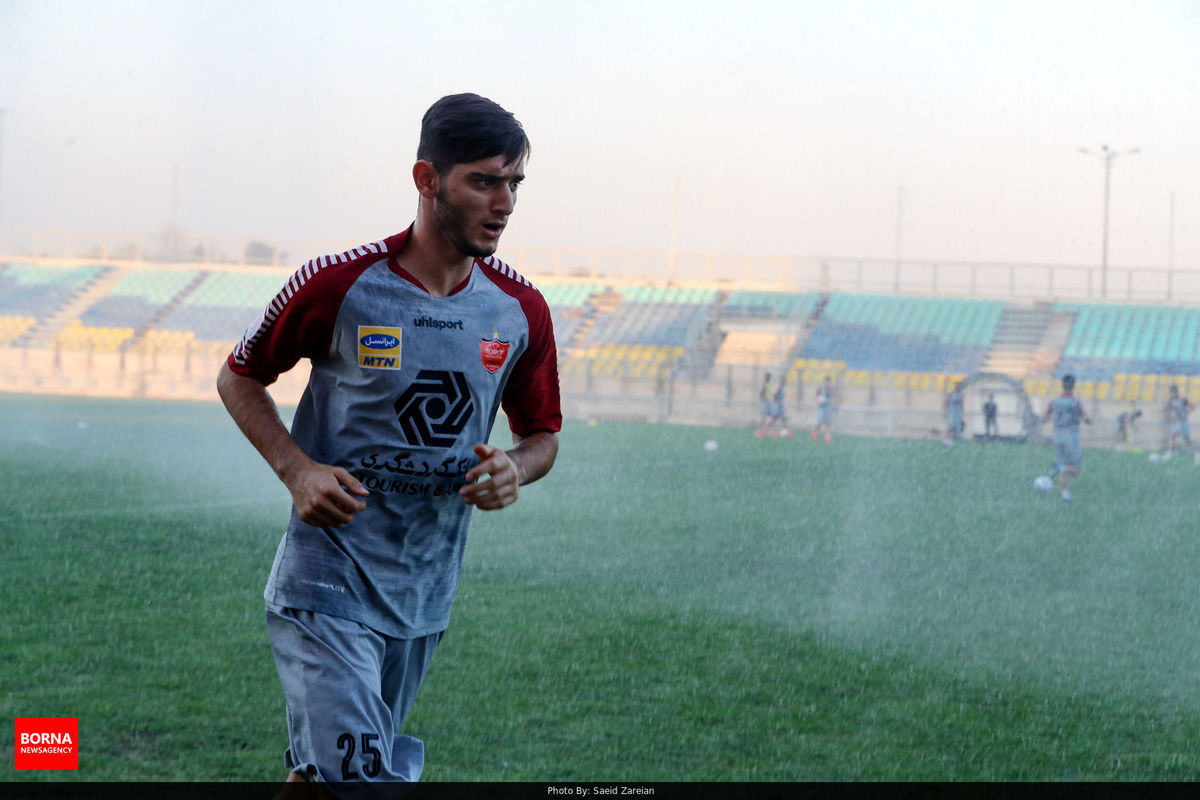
(438, 265)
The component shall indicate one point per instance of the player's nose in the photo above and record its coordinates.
(504, 199)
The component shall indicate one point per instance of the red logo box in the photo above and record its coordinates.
(47, 743)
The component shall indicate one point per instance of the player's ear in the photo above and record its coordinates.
(425, 178)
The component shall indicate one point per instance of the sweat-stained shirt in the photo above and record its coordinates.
(403, 385)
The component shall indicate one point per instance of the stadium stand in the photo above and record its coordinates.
(663, 316)
(570, 308)
(624, 361)
(762, 327)
(219, 308)
(637, 349)
(630, 331)
(139, 296)
(754, 347)
(39, 291)
(102, 339)
(13, 327)
(114, 320)
(878, 332)
(1107, 340)
(742, 303)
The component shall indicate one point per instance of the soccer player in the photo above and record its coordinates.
(824, 411)
(1066, 411)
(1180, 438)
(777, 408)
(953, 404)
(766, 407)
(1124, 429)
(415, 342)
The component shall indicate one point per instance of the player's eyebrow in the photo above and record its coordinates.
(481, 176)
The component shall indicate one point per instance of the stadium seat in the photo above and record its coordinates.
(38, 291)
(912, 334)
(13, 327)
(138, 298)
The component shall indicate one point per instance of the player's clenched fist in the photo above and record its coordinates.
(325, 496)
(503, 482)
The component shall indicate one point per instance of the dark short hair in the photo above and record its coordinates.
(461, 128)
(1068, 381)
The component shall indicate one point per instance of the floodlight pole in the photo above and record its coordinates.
(1109, 156)
(673, 256)
(1, 184)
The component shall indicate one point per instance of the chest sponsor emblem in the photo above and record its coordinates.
(379, 348)
(493, 353)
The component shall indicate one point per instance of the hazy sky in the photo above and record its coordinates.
(788, 127)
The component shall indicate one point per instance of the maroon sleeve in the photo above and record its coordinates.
(298, 322)
(531, 397)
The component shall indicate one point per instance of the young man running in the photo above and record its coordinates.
(415, 342)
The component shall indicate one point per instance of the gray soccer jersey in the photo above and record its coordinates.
(403, 385)
(1177, 407)
(1067, 414)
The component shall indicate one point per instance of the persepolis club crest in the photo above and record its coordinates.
(493, 353)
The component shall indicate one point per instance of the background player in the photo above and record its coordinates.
(1066, 411)
(388, 450)
(766, 407)
(778, 408)
(1124, 427)
(953, 405)
(824, 411)
(1179, 437)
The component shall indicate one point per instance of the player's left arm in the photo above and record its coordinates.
(531, 402)
(530, 458)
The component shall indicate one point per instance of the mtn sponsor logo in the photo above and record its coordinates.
(379, 347)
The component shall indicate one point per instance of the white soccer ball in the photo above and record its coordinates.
(1043, 483)
(710, 446)
(1153, 458)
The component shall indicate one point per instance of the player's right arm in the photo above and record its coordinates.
(324, 495)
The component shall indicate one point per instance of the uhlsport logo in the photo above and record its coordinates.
(434, 410)
(379, 348)
(439, 324)
(47, 743)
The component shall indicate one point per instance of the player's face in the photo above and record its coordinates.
(474, 202)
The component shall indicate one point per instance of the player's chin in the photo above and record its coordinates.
(480, 248)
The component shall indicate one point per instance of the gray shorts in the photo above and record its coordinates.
(1067, 452)
(348, 689)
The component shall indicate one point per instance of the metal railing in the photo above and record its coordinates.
(1009, 280)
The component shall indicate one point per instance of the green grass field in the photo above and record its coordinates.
(777, 610)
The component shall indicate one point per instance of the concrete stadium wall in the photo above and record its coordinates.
(730, 399)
